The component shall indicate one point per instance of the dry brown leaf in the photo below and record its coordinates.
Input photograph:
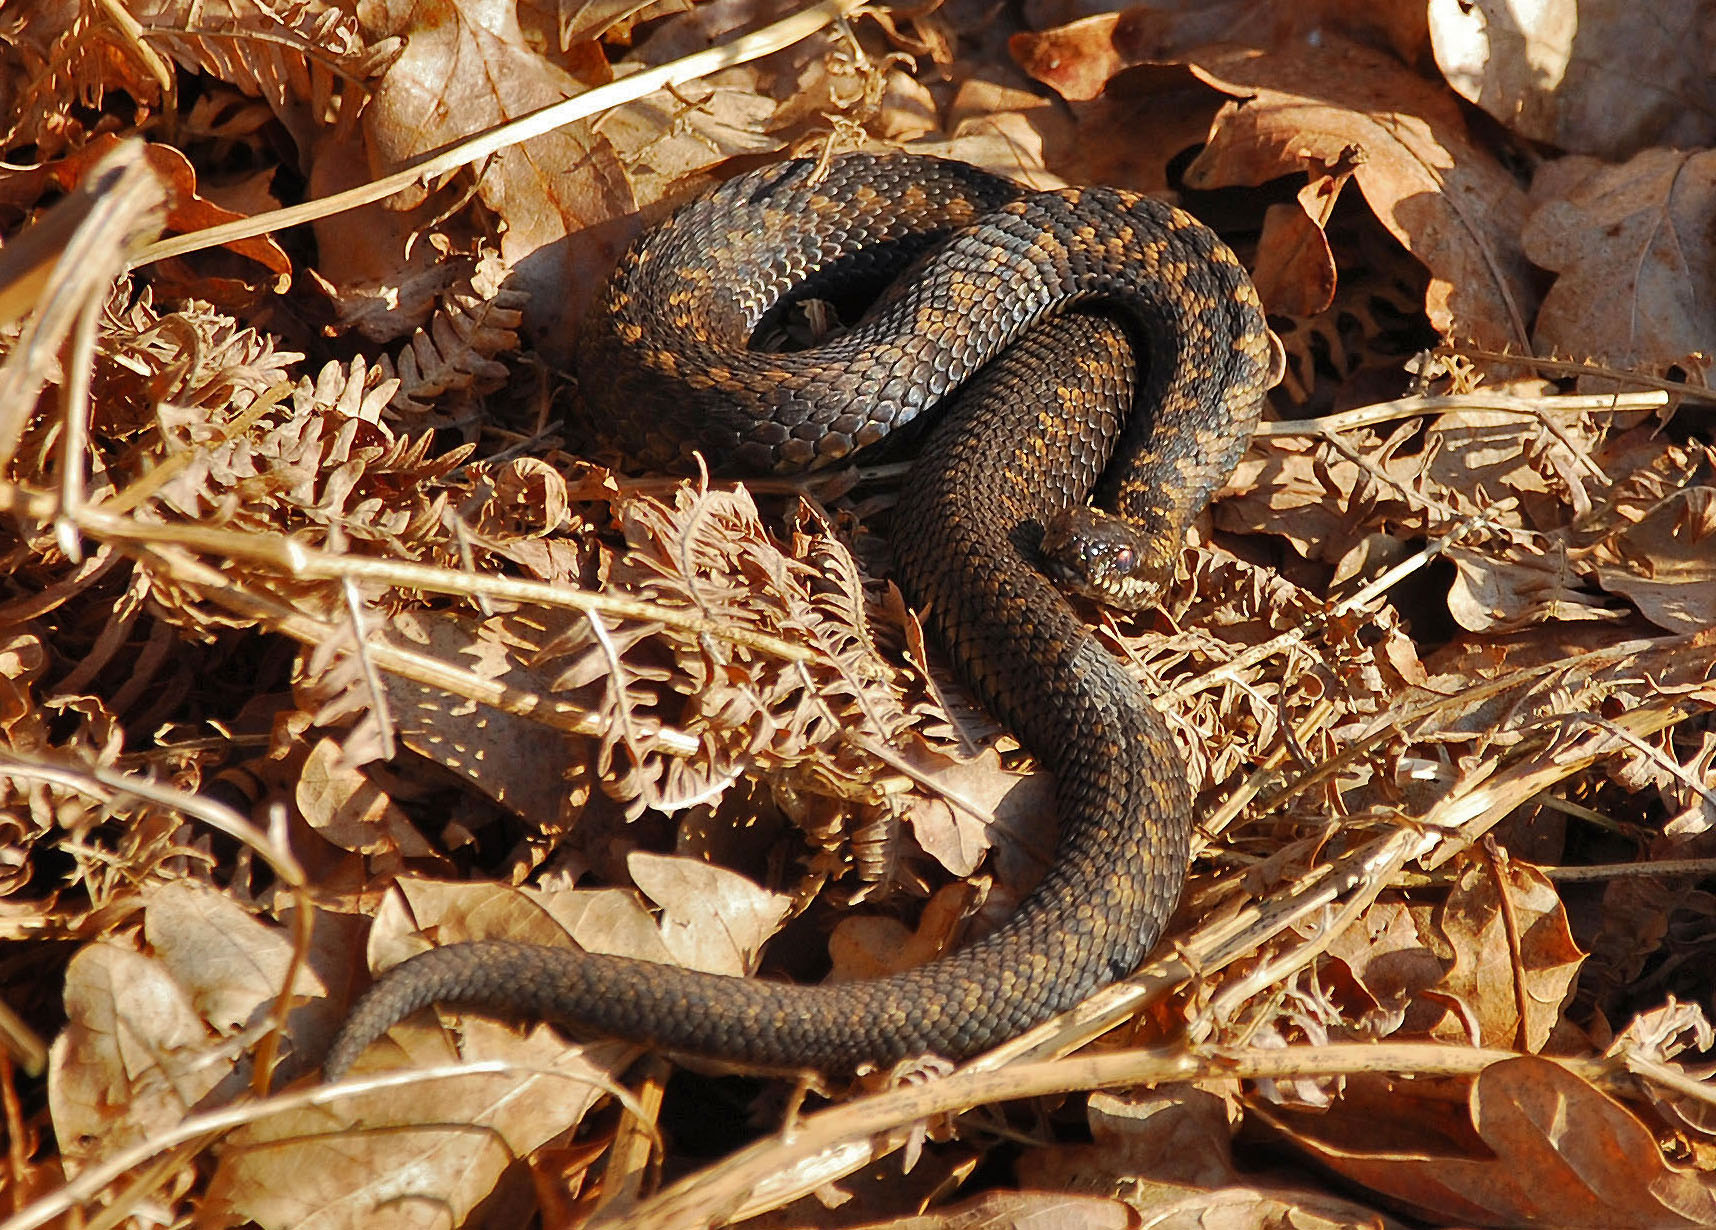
(1588, 77)
(1491, 594)
(412, 1157)
(1632, 250)
(349, 809)
(875, 946)
(1517, 1162)
(601, 920)
(232, 965)
(976, 805)
(133, 1058)
(712, 919)
(1668, 562)
(1502, 935)
(1443, 196)
(187, 209)
(471, 68)
(1295, 271)
(527, 767)
(1080, 57)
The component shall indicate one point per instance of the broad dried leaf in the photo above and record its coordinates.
(187, 209)
(1632, 247)
(133, 1059)
(232, 964)
(420, 1157)
(1443, 196)
(712, 919)
(1503, 936)
(1586, 76)
(527, 767)
(1517, 1163)
(470, 67)
(349, 809)
(1667, 562)
(869, 946)
(1079, 58)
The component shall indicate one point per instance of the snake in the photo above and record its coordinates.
(1068, 344)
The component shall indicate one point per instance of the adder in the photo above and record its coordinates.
(1051, 330)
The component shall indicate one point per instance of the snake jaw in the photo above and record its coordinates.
(1103, 558)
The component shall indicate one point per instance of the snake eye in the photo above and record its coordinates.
(1125, 560)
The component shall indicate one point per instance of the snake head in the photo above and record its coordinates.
(1105, 558)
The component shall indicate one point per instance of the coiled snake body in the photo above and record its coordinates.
(989, 310)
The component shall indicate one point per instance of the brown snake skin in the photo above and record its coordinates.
(666, 372)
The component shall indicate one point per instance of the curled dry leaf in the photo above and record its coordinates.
(131, 1062)
(1511, 962)
(1662, 1036)
(1446, 199)
(1088, 48)
(187, 208)
(349, 809)
(1665, 565)
(141, 1049)
(875, 946)
(977, 804)
(712, 919)
(601, 920)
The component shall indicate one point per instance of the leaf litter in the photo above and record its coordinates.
(326, 637)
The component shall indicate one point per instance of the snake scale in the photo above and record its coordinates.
(1017, 319)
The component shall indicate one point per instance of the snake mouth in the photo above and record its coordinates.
(1070, 579)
